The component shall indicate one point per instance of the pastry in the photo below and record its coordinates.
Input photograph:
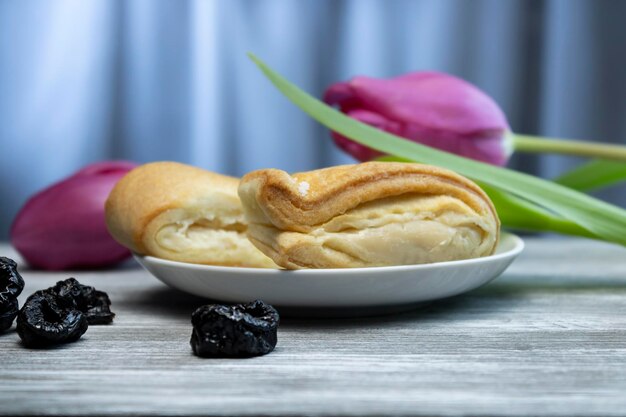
(178, 212)
(370, 214)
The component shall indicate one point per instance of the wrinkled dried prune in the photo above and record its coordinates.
(93, 303)
(45, 320)
(11, 285)
(235, 330)
(8, 312)
(70, 293)
(98, 308)
(11, 282)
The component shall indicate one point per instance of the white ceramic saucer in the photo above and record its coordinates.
(363, 288)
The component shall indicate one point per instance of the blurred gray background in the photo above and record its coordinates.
(87, 80)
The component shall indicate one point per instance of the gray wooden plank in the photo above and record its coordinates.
(546, 338)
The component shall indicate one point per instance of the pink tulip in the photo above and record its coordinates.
(63, 226)
(431, 108)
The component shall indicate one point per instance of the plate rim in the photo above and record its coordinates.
(518, 247)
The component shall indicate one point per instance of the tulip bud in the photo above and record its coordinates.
(63, 226)
(430, 108)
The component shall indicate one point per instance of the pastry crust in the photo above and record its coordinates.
(370, 214)
(179, 212)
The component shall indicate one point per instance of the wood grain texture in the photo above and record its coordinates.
(546, 338)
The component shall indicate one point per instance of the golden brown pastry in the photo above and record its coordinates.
(370, 214)
(179, 212)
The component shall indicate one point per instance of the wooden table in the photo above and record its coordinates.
(546, 338)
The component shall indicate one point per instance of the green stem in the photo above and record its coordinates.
(527, 143)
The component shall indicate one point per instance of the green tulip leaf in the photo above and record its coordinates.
(595, 174)
(519, 214)
(601, 219)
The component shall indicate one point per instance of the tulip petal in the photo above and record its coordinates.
(63, 226)
(435, 101)
(106, 168)
(488, 146)
(431, 108)
(363, 153)
(342, 95)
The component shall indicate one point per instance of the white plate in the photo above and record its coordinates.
(363, 288)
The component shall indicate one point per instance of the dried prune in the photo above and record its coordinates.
(46, 320)
(235, 330)
(98, 308)
(11, 282)
(11, 285)
(93, 303)
(8, 312)
(70, 293)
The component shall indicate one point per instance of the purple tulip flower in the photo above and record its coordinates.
(431, 108)
(63, 226)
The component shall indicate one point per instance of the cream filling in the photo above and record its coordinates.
(207, 238)
(413, 242)
(395, 231)
(185, 236)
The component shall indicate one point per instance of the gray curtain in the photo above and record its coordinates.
(86, 80)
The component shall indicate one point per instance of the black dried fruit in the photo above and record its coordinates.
(70, 293)
(46, 320)
(98, 308)
(235, 330)
(93, 303)
(11, 285)
(8, 312)
(62, 313)
(11, 282)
